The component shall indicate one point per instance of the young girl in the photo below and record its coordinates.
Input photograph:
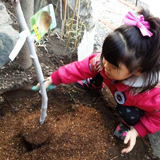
(130, 66)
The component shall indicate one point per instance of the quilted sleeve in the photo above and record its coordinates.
(150, 121)
(75, 71)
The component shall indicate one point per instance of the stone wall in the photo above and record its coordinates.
(8, 36)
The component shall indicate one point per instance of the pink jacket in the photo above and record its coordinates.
(148, 101)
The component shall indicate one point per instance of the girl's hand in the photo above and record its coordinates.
(131, 138)
(47, 82)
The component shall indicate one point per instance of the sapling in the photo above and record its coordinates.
(30, 41)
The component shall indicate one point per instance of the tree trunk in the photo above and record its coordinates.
(24, 55)
(39, 4)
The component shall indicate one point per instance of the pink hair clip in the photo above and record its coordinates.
(139, 22)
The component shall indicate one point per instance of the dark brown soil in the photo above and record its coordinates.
(79, 125)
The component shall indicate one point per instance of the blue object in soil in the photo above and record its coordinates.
(50, 87)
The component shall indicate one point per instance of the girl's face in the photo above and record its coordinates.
(114, 72)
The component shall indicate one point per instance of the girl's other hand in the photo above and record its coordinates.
(131, 139)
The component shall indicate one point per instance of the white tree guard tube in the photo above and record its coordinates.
(30, 41)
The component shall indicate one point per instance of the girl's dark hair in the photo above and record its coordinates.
(142, 53)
